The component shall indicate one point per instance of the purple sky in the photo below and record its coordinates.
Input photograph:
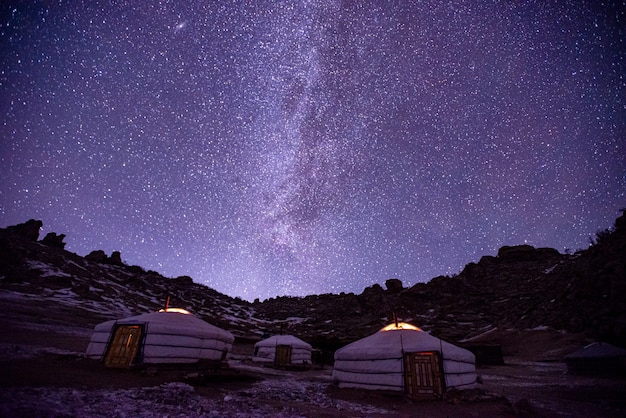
(271, 148)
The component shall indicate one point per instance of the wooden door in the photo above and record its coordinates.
(423, 378)
(124, 346)
(283, 354)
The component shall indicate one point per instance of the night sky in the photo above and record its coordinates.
(294, 148)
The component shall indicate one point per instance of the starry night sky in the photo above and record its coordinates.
(272, 148)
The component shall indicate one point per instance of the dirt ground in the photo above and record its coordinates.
(51, 357)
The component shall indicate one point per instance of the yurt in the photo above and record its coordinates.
(282, 350)
(598, 358)
(402, 357)
(168, 336)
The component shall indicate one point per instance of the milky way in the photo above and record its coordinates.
(272, 148)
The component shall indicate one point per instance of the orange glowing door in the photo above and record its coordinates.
(123, 348)
(422, 375)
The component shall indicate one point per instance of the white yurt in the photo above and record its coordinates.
(402, 357)
(597, 358)
(282, 350)
(168, 336)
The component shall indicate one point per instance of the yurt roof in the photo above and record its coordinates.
(174, 321)
(283, 340)
(392, 341)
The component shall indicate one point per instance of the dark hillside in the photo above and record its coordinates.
(521, 288)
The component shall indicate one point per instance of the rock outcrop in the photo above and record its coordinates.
(29, 229)
(394, 285)
(99, 256)
(53, 240)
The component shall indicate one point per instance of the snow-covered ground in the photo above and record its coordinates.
(278, 397)
(170, 399)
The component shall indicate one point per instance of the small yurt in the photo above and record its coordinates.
(598, 358)
(402, 357)
(282, 350)
(169, 336)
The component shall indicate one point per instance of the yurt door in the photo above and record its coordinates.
(422, 375)
(123, 347)
(283, 354)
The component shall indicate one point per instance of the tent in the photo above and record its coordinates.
(402, 357)
(167, 336)
(597, 358)
(283, 350)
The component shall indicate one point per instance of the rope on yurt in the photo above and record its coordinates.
(402, 365)
(442, 362)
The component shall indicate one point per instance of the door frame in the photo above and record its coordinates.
(120, 354)
(424, 374)
(279, 359)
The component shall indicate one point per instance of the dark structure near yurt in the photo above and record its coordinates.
(486, 354)
(597, 359)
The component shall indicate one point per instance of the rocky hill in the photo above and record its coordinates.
(521, 288)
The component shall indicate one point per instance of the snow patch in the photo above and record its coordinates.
(46, 269)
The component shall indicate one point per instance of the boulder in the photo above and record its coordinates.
(394, 285)
(517, 253)
(29, 229)
(53, 240)
(184, 280)
(116, 259)
(97, 256)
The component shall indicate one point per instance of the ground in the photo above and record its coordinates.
(45, 374)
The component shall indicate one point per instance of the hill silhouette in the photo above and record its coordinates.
(522, 288)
